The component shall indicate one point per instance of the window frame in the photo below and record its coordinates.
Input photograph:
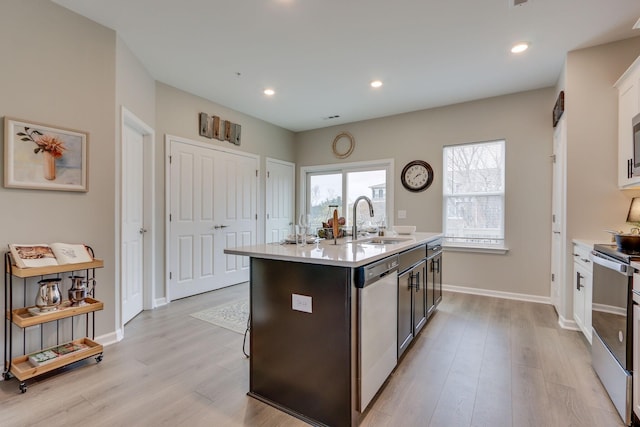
(344, 168)
(485, 247)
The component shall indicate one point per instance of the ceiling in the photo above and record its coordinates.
(320, 55)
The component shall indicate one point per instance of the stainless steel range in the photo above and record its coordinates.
(612, 320)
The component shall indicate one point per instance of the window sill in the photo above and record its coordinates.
(498, 250)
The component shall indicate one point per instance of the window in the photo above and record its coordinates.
(473, 194)
(327, 188)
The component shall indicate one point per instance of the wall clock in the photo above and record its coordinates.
(417, 176)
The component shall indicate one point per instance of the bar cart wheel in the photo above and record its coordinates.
(99, 358)
(23, 387)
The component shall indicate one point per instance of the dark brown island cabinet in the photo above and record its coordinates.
(324, 332)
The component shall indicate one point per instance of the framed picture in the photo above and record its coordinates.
(43, 157)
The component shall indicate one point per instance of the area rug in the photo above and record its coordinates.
(232, 315)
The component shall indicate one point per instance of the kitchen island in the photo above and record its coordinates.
(310, 355)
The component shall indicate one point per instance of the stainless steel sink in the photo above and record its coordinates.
(382, 241)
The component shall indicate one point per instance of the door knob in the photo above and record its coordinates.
(142, 230)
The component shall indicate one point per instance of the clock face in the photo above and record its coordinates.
(417, 176)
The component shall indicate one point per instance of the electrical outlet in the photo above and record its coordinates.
(402, 214)
(301, 303)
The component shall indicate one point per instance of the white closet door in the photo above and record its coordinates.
(213, 205)
(279, 200)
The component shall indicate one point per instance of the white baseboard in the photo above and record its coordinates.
(159, 302)
(568, 324)
(497, 294)
(564, 323)
(110, 338)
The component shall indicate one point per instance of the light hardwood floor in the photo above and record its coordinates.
(480, 362)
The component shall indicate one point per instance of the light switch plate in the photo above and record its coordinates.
(402, 214)
(301, 303)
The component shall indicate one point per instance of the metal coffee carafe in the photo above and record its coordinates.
(48, 297)
(78, 291)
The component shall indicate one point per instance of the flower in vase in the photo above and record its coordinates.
(51, 144)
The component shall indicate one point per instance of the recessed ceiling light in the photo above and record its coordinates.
(520, 47)
(269, 92)
(376, 83)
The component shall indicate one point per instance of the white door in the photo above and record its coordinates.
(280, 196)
(132, 245)
(213, 205)
(557, 291)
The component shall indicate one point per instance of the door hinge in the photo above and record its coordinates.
(553, 277)
(256, 173)
(170, 275)
(256, 217)
(553, 218)
(268, 174)
(170, 159)
(169, 217)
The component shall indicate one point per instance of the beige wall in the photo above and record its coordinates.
(177, 114)
(135, 87)
(58, 68)
(594, 202)
(524, 120)
(135, 91)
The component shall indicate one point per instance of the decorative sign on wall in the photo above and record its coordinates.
(213, 127)
(558, 109)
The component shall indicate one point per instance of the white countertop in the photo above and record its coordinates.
(345, 254)
(589, 243)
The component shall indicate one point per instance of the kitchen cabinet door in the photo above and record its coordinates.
(405, 311)
(437, 279)
(419, 274)
(581, 282)
(582, 289)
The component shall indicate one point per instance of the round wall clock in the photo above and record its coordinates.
(417, 176)
(343, 152)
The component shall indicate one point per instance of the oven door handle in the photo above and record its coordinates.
(618, 267)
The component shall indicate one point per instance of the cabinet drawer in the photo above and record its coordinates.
(411, 257)
(581, 255)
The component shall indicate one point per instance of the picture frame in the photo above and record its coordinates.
(44, 157)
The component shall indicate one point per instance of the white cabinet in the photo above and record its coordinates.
(628, 86)
(582, 287)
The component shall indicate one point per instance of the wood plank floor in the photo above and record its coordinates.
(479, 362)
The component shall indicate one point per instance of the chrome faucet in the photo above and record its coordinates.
(354, 234)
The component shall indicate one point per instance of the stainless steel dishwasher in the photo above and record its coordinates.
(376, 285)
